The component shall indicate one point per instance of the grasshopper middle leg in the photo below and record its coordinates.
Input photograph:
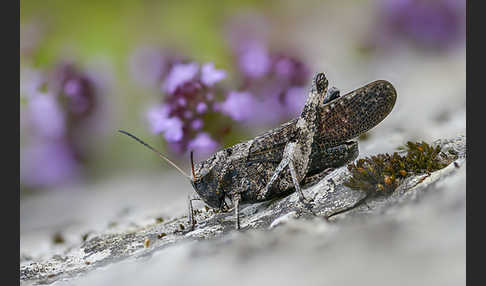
(236, 201)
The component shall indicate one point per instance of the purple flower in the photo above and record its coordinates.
(79, 91)
(46, 163)
(54, 125)
(45, 116)
(179, 75)
(210, 75)
(201, 107)
(77, 87)
(439, 23)
(291, 70)
(197, 124)
(173, 131)
(202, 145)
(240, 106)
(158, 118)
(253, 60)
(268, 78)
(295, 100)
(190, 90)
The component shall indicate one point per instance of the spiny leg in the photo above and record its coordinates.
(281, 166)
(291, 155)
(236, 202)
(190, 214)
(276, 175)
(296, 181)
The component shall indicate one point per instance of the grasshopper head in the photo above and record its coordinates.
(206, 185)
(207, 189)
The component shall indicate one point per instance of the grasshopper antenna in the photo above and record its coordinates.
(192, 165)
(158, 153)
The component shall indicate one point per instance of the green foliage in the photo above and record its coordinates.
(382, 174)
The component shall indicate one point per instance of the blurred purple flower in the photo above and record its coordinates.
(240, 106)
(202, 145)
(77, 87)
(47, 163)
(54, 116)
(267, 77)
(158, 118)
(291, 70)
(189, 90)
(179, 75)
(210, 75)
(197, 124)
(45, 116)
(295, 99)
(439, 23)
(201, 107)
(254, 60)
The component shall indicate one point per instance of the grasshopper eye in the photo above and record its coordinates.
(331, 94)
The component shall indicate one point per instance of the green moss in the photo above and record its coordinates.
(383, 173)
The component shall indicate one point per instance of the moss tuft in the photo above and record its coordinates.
(382, 174)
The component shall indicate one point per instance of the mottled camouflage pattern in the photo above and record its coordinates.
(259, 169)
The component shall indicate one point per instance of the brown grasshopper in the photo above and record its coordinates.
(276, 163)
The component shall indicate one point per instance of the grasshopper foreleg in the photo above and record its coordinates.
(190, 214)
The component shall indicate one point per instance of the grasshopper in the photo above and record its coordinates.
(277, 162)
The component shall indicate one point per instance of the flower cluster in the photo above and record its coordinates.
(191, 92)
(271, 81)
(438, 24)
(53, 108)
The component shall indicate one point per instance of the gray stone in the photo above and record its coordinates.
(419, 229)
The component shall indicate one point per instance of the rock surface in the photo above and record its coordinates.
(414, 236)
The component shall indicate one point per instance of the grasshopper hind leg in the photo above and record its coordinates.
(291, 155)
(293, 173)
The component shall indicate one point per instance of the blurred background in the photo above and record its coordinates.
(188, 75)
